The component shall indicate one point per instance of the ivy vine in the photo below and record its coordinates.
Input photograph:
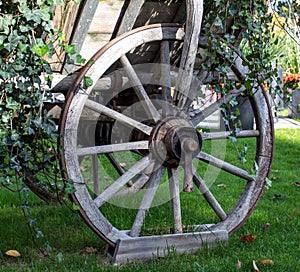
(243, 29)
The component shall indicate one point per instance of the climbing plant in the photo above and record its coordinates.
(28, 152)
(234, 29)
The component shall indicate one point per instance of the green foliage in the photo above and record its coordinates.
(232, 29)
(285, 46)
(27, 134)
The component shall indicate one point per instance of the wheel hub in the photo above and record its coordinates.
(173, 140)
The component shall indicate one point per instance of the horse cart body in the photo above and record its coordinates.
(142, 154)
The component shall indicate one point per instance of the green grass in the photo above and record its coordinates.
(71, 239)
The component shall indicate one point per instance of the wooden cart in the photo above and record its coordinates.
(142, 159)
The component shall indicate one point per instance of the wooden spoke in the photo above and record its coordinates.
(225, 166)
(117, 116)
(111, 190)
(214, 107)
(175, 199)
(139, 89)
(139, 182)
(166, 75)
(112, 148)
(209, 196)
(136, 186)
(147, 201)
(116, 164)
(95, 167)
(226, 134)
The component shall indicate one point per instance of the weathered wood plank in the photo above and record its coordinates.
(226, 134)
(64, 20)
(92, 150)
(189, 51)
(130, 16)
(80, 29)
(158, 246)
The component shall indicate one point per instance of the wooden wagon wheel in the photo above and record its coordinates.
(151, 138)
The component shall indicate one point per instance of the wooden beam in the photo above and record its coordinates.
(82, 24)
(147, 247)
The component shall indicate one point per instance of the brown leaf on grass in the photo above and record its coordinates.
(82, 169)
(13, 253)
(276, 196)
(249, 238)
(297, 183)
(238, 264)
(43, 254)
(88, 250)
(266, 262)
(254, 266)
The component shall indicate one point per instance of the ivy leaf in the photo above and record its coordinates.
(70, 189)
(59, 257)
(40, 50)
(5, 117)
(218, 22)
(70, 49)
(248, 84)
(233, 10)
(80, 59)
(87, 81)
(35, 15)
(11, 103)
(75, 207)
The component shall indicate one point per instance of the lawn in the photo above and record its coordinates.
(72, 246)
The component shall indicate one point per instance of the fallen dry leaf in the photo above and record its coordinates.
(249, 238)
(266, 262)
(88, 250)
(254, 266)
(297, 183)
(222, 185)
(276, 196)
(13, 253)
(238, 264)
(82, 169)
(122, 164)
(275, 178)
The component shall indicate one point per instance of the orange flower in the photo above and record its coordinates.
(291, 77)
